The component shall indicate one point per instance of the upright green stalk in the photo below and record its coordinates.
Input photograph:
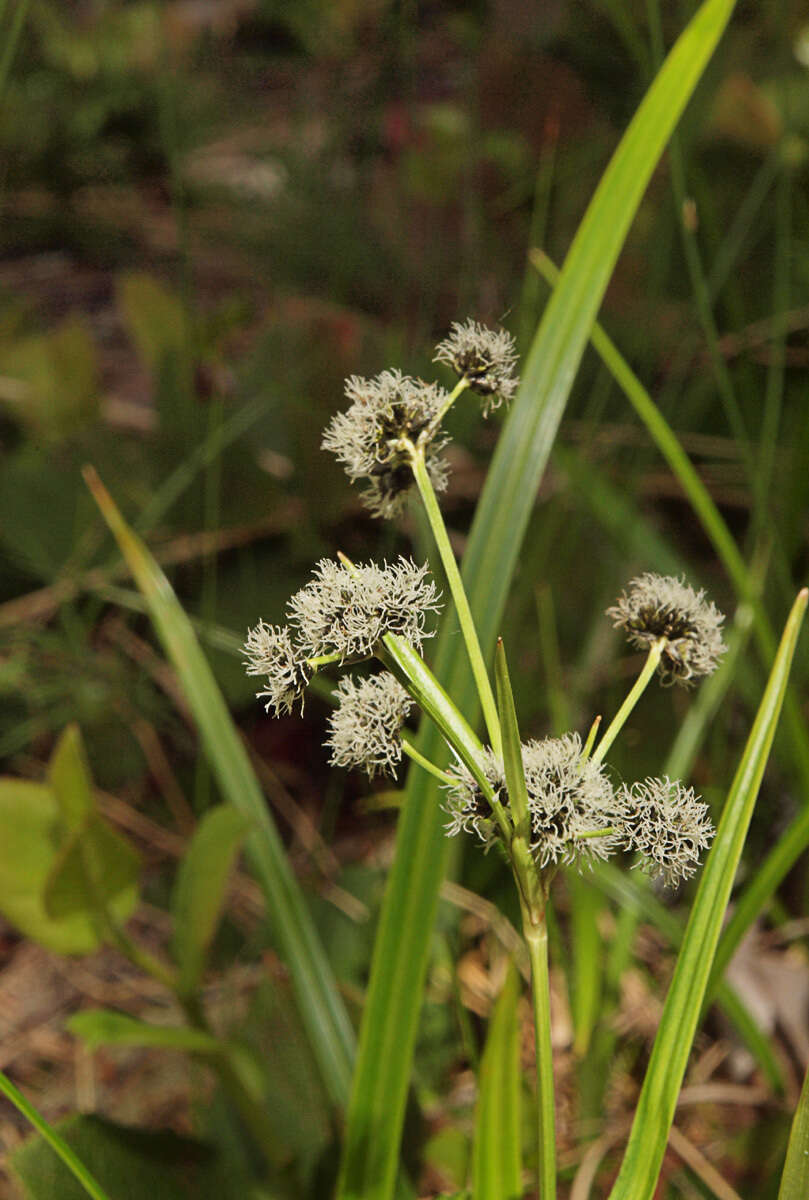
(456, 586)
(535, 931)
(618, 721)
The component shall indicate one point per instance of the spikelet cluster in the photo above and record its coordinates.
(270, 651)
(570, 799)
(367, 438)
(668, 826)
(342, 611)
(348, 611)
(364, 729)
(485, 357)
(662, 606)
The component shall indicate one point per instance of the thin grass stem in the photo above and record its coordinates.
(90, 1184)
(536, 939)
(456, 587)
(411, 752)
(640, 685)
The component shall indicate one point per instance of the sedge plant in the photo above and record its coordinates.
(542, 804)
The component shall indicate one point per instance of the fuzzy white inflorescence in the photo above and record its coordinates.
(364, 730)
(668, 826)
(347, 611)
(270, 651)
(367, 438)
(662, 606)
(575, 813)
(484, 357)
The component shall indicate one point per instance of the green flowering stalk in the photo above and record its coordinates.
(543, 803)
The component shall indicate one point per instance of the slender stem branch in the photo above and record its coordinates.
(618, 721)
(91, 1185)
(411, 751)
(535, 930)
(470, 634)
(323, 660)
(428, 433)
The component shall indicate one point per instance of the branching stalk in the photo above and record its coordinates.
(620, 718)
(470, 635)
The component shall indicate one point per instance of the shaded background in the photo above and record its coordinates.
(212, 213)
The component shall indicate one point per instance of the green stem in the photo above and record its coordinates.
(91, 1186)
(411, 752)
(618, 721)
(427, 434)
(323, 660)
(470, 634)
(535, 931)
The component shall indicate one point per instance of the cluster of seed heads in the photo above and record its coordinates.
(662, 606)
(392, 413)
(342, 613)
(364, 729)
(486, 358)
(371, 437)
(577, 816)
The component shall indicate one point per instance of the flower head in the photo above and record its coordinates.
(667, 825)
(484, 357)
(347, 611)
(662, 606)
(575, 814)
(368, 437)
(364, 729)
(270, 652)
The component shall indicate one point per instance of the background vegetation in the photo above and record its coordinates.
(213, 213)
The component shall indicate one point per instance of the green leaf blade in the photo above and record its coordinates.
(795, 1177)
(497, 1152)
(103, 1027)
(321, 1006)
(199, 891)
(655, 1110)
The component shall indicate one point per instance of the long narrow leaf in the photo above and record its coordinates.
(497, 1151)
(320, 1005)
(388, 1031)
(647, 1142)
(795, 1179)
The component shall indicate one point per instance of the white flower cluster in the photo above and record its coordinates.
(574, 811)
(367, 437)
(348, 611)
(577, 816)
(668, 826)
(270, 651)
(342, 612)
(662, 606)
(364, 730)
(484, 357)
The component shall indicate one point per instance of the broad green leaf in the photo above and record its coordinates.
(153, 315)
(320, 1004)
(69, 776)
(390, 1020)
(102, 1027)
(95, 870)
(130, 1163)
(655, 1110)
(497, 1152)
(33, 836)
(199, 891)
(795, 1179)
